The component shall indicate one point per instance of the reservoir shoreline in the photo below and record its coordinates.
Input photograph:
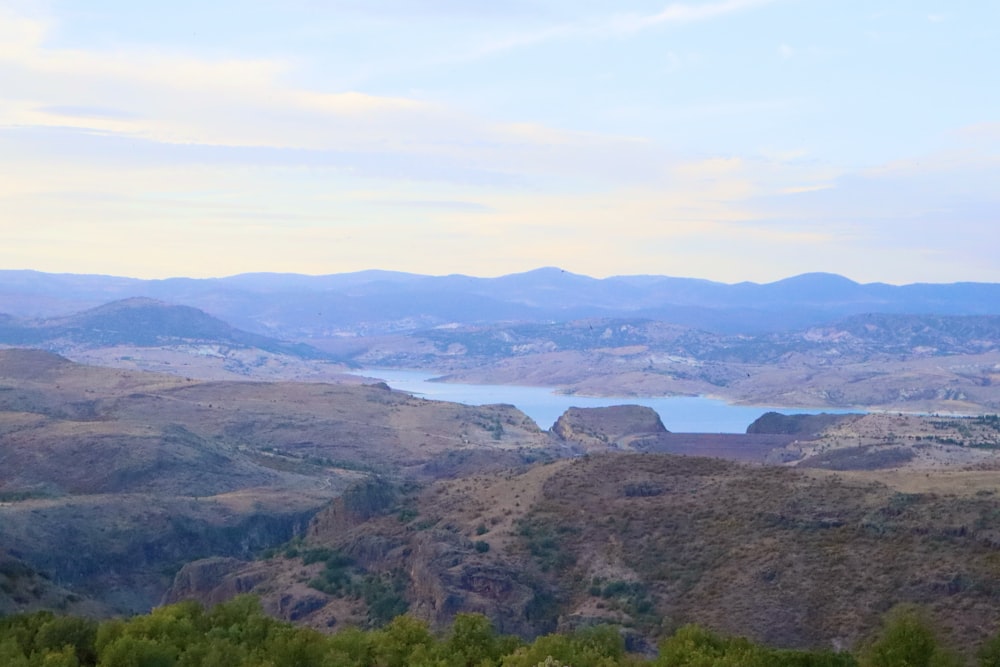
(679, 414)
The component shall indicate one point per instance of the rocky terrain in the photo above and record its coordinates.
(110, 480)
(348, 504)
(649, 542)
(856, 512)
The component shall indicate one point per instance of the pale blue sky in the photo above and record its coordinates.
(721, 139)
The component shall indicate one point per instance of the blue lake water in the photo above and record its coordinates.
(681, 414)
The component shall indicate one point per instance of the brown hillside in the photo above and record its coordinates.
(787, 557)
(110, 480)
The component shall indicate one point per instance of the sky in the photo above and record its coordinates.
(722, 139)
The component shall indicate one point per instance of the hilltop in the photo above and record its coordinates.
(148, 334)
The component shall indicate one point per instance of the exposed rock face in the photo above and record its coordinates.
(210, 581)
(447, 578)
(802, 425)
(599, 429)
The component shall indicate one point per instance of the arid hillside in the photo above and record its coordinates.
(346, 505)
(788, 557)
(110, 480)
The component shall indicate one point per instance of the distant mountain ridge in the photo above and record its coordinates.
(301, 307)
(141, 322)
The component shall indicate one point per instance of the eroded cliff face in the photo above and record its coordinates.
(447, 578)
(435, 545)
(214, 580)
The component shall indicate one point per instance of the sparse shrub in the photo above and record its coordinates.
(310, 556)
(642, 490)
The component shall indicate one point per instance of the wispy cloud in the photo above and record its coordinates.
(682, 13)
(619, 25)
(75, 111)
(107, 150)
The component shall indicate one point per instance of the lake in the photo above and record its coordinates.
(680, 414)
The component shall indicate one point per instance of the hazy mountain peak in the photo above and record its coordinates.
(817, 279)
(131, 303)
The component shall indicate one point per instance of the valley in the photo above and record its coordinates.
(842, 356)
(343, 505)
(151, 452)
(425, 333)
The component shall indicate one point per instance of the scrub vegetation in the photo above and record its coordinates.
(238, 634)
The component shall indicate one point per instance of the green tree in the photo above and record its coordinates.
(289, 646)
(400, 639)
(77, 633)
(241, 621)
(472, 641)
(131, 651)
(11, 653)
(64, 657)
(599, 646)
(907, 639)
(351, 647)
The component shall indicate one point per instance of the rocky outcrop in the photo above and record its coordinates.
(447, 578)
(600, 429)
(276, 582)
(775, 423)
(212, 580)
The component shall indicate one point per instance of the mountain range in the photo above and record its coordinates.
(816, 340)
(297, 307)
